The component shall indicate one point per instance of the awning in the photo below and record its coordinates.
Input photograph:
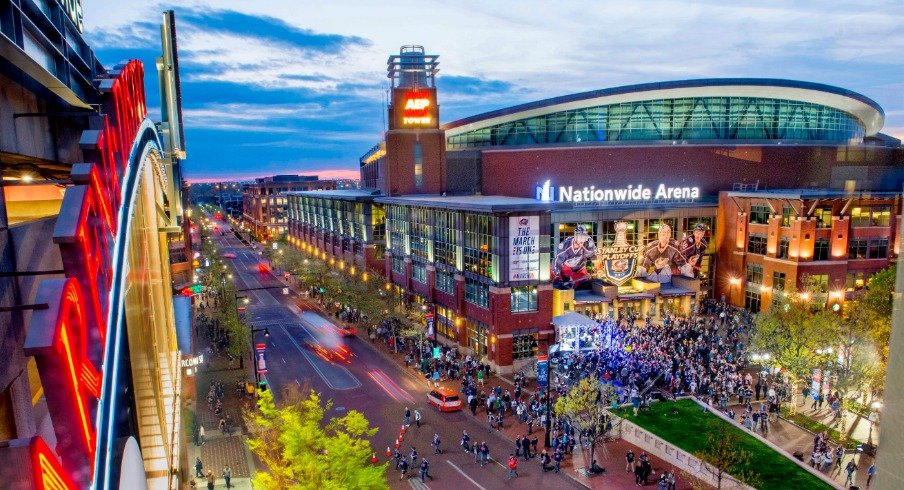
(573, 320)
(671, 290)
(634, 296)
(587, 296)
(182, 314)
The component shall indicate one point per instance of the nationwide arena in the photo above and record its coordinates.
(637, 200)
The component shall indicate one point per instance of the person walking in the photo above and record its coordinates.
(850, 468)
(435, 443)
(404, 467)
(199, 468)
(407, 417)
(211, 480)
(557, 457)
(629, 458)
(525, 448)
(227, 475)
(512, 466)
(484, 454)
(869, 474)
(425, 470)
(413, 455)
(417, 417)
(839, 455)
(465, 440)
(201, 435)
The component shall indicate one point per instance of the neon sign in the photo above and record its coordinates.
(416, 111)
(68, 339)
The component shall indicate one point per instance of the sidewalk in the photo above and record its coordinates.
(219, 449)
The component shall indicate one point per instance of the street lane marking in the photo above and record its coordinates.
(313, 361)
(462, 473)
(283, 360)
(296, 382)
(416, 483)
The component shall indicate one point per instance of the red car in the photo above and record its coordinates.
(346, 331)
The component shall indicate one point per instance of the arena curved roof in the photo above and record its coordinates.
(785, 109)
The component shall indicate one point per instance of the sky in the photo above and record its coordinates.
(291, 86)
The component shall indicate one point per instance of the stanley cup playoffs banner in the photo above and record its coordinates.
(578, 259)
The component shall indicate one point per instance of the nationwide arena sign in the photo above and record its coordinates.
(630, 194)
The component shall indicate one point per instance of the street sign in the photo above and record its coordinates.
(542, 371)
(261, 361)
(436, 353)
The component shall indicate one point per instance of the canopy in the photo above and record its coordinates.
(573, 319)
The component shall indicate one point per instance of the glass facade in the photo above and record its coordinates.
(524, 345)
(479, 244)
(477, 292)
(692, 118)
(445, 282)
(477, 336)
(524, 299)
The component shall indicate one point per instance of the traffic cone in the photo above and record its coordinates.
(388, 452)
(397, 444)
(401, 438)
(373, 459)
(403, 429)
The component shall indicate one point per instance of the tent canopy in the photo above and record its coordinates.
(573, 319)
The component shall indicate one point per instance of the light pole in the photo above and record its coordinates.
(873, 417)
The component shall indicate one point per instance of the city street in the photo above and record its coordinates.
(370, 382)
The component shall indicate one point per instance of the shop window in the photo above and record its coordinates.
(477, 336)
(445, 323)
(756, 244)
(759, 214)
(525, 346)
(821, 249)
(524, 299)
(477, 293)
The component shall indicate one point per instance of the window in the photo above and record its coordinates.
(445, 282)
(418, 165)
(479, 244)
(878, 249)
(419, 232)
(821, 249)
(445, 323)
(754, 274)
(398, 265)
(778, 281)
(857, 248)
(447, 235)
(871, 216)
(477, 293)
(823, 217)
(524, 346)
(607, 233)
(856, 280)
(752, 300)
(759, 213)
(756, 244)
(653, 226)
(477, 336)
(419, 272)
(524, 299)
(783, 248)
(788, 215)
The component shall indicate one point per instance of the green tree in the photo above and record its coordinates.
(725, 457)
(791, 332)
(858, 366)
(303, 451)
(586, 407)
(879, 299)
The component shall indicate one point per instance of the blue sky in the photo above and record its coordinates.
(290, 86)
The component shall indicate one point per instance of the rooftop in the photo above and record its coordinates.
(812, 194)
(341, 194)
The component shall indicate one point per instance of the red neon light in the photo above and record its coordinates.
(48, 474)
(90, 378)
(80, 404)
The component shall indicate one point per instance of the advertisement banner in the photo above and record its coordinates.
(524, 248)
(431, 334)
(260, 359)
(542, 371)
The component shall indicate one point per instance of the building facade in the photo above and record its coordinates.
(264, 202)
(834, 241)
(622, 193)
(89, 386)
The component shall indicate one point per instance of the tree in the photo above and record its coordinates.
(859, 367)
(725, 457)
(586, 407)
(792, 331)
(879, 299)
(302, 451)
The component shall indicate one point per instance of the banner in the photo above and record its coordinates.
(431, 334)
(524, 248)
(542, 371)
(260, 359)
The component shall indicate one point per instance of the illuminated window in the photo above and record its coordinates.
(445, 282)
(524, 345)
(477, 336)
(788, 215)
(778, 281)
(418, 165)
(756, 244)
(759, 213)
(783, 248)
(823, 217)
(754, 274)
(524, 299)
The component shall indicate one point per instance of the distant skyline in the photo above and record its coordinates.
(284, 87)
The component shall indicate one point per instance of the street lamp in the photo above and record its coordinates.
(732, 281)
(873, 417)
